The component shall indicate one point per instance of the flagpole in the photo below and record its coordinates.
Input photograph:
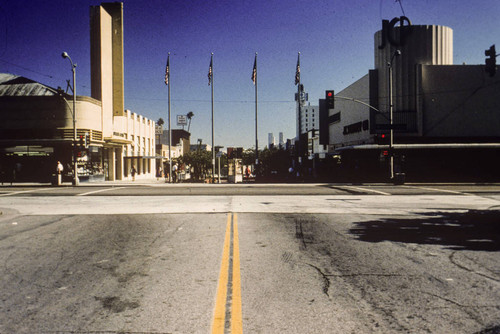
(169, 126)
(213, 147)
(299, 101)
(256, 121)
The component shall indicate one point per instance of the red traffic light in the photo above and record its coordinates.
(330, 99)
(382, 136)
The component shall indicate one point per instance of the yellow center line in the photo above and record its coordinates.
(228, 300)
(236, 319)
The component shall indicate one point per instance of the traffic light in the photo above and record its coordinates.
(81, 142)
(330, 99)
(491, 61)
(382, 139)
(87, 140)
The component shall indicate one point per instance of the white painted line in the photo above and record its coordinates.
(367, 189)
(25, 191)
(340, 204)
(99, 191)
(438, 190)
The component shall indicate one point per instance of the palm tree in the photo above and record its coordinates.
(189, 116)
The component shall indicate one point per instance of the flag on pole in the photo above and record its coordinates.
(210, 73)
(297, 71)
(167, 71)
(254, 72)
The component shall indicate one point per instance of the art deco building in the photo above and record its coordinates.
(36, 128)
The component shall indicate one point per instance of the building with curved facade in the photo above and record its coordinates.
(36, 128)
(445, 117)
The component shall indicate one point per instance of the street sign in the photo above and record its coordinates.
(182, 120)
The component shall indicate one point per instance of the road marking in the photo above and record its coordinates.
(438, 190)
(236, 318)
(227, 314)
(25, 191)
(366, 189)
(99, 191)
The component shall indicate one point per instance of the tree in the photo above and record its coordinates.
(274, 162)
(189, 116)
(200, 161)
(160, 122)
(248, 157)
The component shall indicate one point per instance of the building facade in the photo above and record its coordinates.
(445, 117)
(37, 130)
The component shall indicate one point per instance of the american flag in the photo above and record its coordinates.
(297, 72)
(210, 73)
(167, 71)
(254, 73)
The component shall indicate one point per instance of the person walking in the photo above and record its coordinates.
(59, 171)
(174, 172)
(133, 171)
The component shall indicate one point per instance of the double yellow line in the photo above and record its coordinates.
(227, 315)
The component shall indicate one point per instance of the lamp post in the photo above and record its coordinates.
(391, 111)
(73, 68)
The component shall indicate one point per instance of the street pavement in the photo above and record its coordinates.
(303, 258)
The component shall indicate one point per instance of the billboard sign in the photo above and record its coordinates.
(182, 120)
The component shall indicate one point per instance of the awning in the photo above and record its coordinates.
(142, 157)
(117, 140)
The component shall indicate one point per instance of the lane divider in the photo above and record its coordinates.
(99, 191)
(227, 314)
(25, 191)
(366, 190)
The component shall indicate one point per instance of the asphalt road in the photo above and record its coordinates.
(343, 259)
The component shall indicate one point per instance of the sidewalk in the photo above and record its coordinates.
(137, 182)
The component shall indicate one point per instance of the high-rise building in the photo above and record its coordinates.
(271, 140)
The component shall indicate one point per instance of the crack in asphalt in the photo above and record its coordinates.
(455, 262)
(326, 280)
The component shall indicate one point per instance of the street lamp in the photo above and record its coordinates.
(391, 111)
(73, 68)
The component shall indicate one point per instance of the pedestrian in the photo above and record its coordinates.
(158, 173)
(290, 173)
(174, 173)
(59, 171)
(133, 171)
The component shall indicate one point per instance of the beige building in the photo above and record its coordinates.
(36, 129)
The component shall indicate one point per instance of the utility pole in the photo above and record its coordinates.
(391, 113)
(75, 167)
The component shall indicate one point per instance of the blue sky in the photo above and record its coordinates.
(335, 39)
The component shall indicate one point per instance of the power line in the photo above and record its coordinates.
(36, 72)
(27, 69)
(218, 101)
(401, 5)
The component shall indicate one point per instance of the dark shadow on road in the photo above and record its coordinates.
(472, 230)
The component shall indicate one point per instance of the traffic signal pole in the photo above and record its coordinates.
(391, 112)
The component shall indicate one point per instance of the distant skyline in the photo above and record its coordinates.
(335, 39)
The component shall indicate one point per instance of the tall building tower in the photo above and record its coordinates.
(271, 140)
(420, 44)
(106, 57)
(299, 114)
(281, 140)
